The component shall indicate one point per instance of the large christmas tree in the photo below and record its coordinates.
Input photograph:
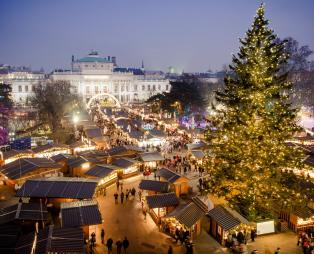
(255, 120)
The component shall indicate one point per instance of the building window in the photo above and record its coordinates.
(148, 87)
(26, 88)
(75, 89)
(122, 88)
(116, 88)
(127, 88)
(105, 89)
(87, 89)
(159, 87)
(135, 88)
(143, 88)
(154, 88)
(96, 89)
(20, 88)
(167, 87)
(33, 88)
(127, 98)
(86, 65)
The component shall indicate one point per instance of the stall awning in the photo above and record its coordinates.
(196, 146)
(309, 160)
(23, 211)
(222, 216)
(153, 156)
(58, 187)
(169, 175)
(21, 167)
(187, 215)
(124, 163)
(47, 147)
(304, 212)
(152, 185)
(101, 170)
(93, 133)
(80, 213)
(60, 157)
(162, 200)
(53, 240)
(198, 154)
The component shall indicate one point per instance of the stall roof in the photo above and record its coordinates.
(152, 185)
(199, 154)
(78, 161)
(23, 166)
(122, 149)
(196, 146)
(53, 240)
(152, 156)
(23, 211)
(309, 160)
(59, 187)
(304, 212)
(224, 218)
(101, 170)
(93, 132)
(157, 133)
(60, 157)
(12, 153)
(80, 213)
(188, 214)
(78, 144)
(124, 162)
(197, 201)
(46, 147)
(9, 235)
(169, 175)
(162, 200)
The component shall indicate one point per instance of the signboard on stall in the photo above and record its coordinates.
(265, 227)
(148, 126)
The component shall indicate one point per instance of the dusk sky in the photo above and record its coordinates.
(190, 35)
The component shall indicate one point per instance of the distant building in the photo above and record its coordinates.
(23, 82)
(93, 74)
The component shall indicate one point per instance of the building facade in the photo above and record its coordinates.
(93, 75)
(23, 82)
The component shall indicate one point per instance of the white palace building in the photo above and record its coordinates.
(90, 76)
(93, 75)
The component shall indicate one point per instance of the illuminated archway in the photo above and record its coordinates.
(104, 96)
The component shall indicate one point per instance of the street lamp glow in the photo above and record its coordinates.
(75, 119)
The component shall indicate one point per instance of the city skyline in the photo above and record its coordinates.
(180, 34)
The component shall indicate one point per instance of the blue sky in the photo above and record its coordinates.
(190, 35)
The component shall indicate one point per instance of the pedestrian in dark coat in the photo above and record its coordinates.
(109, 245)
(116, 197)
(170, 250)
(125, 244)
(102, 236)
(122, 197)
(119, 246)
(253, 235)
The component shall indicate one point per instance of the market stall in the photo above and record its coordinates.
(161, 204)
(127, 166)
(151, 159)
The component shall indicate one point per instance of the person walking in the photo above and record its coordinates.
(170, 250)
(277, 251)
(122, 197)
(119, 246)
(140, 195)
(109, 245)
(253, 235)
(145, 213)
(125, 244)
(126, 195)
(102, 235)
(116, 197)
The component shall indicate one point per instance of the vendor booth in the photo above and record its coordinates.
(128, 167)
(105, 174)
(178, 183)
(188, 217)
(161, 204)
(224, 222)
(154, 187)
(151, 159)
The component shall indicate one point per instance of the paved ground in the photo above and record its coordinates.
(145, 238)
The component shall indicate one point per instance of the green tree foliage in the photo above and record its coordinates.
(6, 104)
(53, 100)
(188, 92)
(255, 120)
